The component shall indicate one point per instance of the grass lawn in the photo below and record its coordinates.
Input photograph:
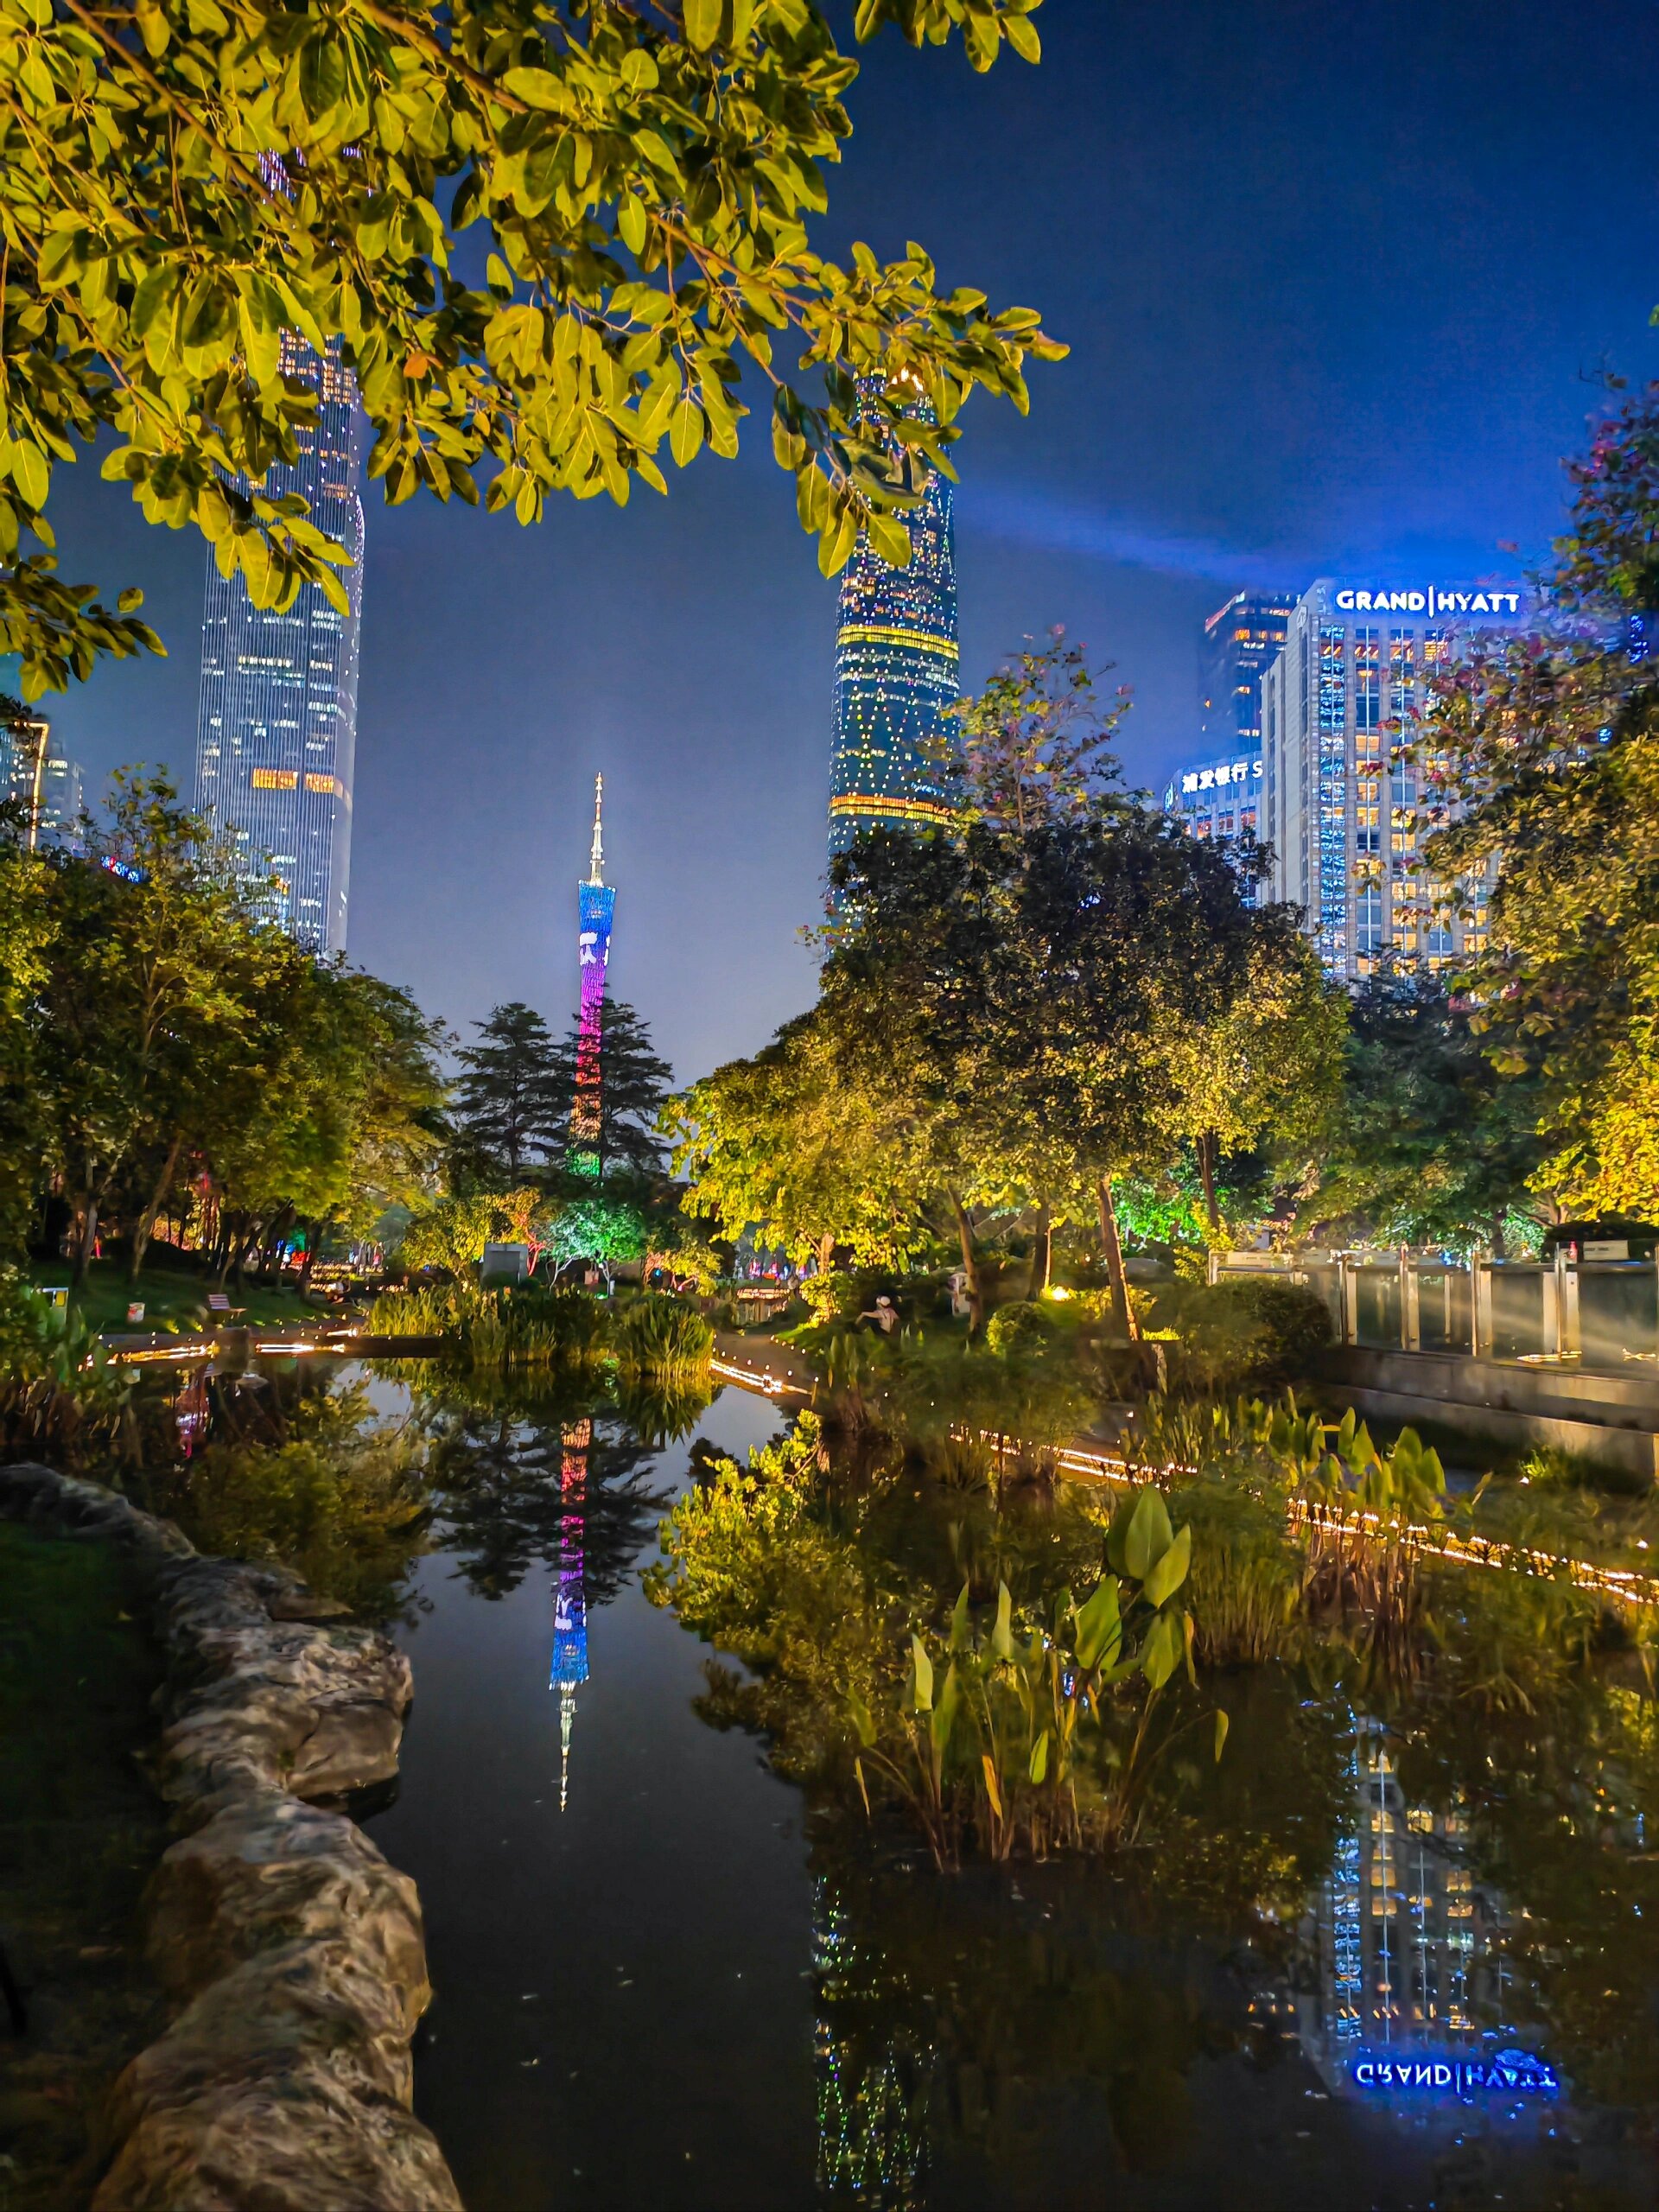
(81, 1830)
(172, 1296)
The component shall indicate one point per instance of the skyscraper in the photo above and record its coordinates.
(1343, 786)
(39, 776)
(1236, 647)
(277, 736)
(1217, 798)
(595, 904)
(897, 677)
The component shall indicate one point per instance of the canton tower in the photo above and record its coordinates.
(896, 677)
(596, 904)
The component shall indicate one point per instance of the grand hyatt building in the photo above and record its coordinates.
(897, 677)
(276, 735)
(1344, 803)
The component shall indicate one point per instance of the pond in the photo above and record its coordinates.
(1394, 1949)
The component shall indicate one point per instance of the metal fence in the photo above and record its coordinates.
(1595, 1312)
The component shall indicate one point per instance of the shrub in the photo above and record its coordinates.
(832, 1297)
(1250, 1331)
(1018, 1330)
(662, 1335)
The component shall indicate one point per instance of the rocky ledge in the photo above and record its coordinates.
(295, 1952)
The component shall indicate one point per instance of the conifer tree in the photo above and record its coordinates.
(633, 1089)
(510, 1110)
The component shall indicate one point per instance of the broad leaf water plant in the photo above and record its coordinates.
(1036, 1738)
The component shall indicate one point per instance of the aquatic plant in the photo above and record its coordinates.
(981, 1743)
(662, 1336)
(60, 1393)
(494, 1330)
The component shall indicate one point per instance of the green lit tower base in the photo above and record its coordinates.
(897, 677)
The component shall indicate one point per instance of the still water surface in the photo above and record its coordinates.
(663, 1980)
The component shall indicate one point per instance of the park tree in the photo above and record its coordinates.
(604, 1229)
(633, 1087)
(1426, 1142)
(151, 952)
(450, 1233)
(800, 1138)
(509, 1110)
(1547, 753)
(1267, 1070)
(550, 242)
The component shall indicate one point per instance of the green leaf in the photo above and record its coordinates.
(30, 472)
(1169, 1571)
(861, 1719)
(1100, 1626)
(685, 432)
(923, 1669)
(1221, 1731)
(630, 222)
(959, 1622)
(1162, 1654)
(537, 88)
(1149, 1534)
(1021, 35)
(701, 22)
(1002, 1634)
(890, 539)
(1039, 1767)
(944, 1713)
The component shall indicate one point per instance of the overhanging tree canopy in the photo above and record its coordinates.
(550, 238)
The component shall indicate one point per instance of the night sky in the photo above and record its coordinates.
(1337, 281)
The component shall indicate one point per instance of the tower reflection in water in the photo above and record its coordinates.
(569, 1668)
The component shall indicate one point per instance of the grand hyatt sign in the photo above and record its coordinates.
(1431, 599)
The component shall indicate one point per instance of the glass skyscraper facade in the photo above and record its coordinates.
(1345, 786)
(897, 677)
(277, 736)
(1236, 647)
(1217, 798)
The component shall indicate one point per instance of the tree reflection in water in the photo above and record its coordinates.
(1436, 1854)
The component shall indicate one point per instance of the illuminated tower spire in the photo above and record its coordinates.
(596, 904)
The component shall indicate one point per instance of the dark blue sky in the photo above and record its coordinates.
(1334, 277)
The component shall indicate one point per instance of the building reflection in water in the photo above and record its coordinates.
(871, 2082)
(569, 1669)
(1401, 1952)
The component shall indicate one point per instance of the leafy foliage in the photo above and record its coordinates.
(1548, 751)
(183, 184)
(158, 1033)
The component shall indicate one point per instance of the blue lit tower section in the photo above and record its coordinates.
(569, 1668)
(596, 905)
(896, 677)
(276, 731)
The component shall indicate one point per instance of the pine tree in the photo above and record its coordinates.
(510, 1110)
(633, 1088)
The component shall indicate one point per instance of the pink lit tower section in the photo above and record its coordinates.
(597, 904)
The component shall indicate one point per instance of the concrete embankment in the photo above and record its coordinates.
(295, 1952)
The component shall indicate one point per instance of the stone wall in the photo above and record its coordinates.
(294, 1952)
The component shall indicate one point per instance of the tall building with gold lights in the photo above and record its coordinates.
(897, 677)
